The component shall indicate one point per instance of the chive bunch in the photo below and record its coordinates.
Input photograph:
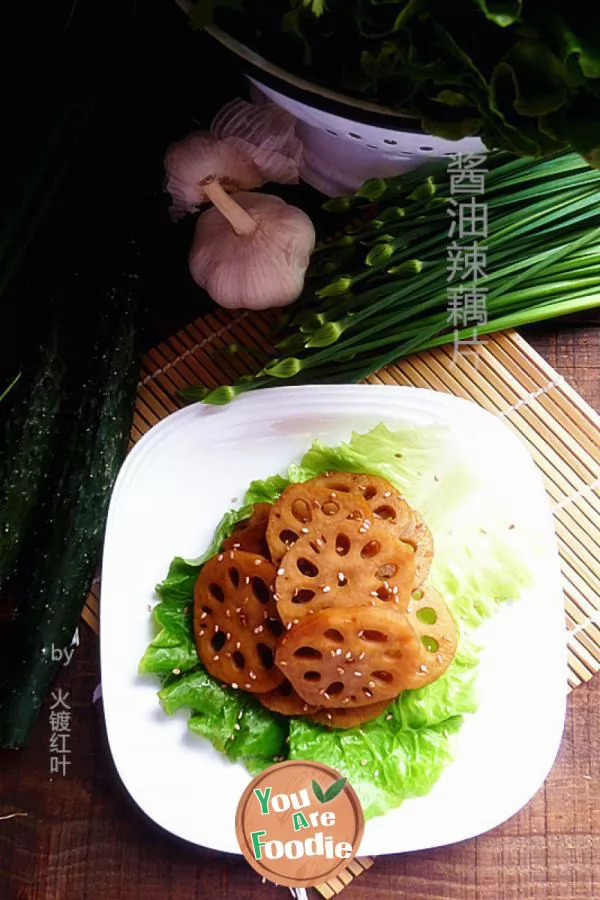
(379, 290)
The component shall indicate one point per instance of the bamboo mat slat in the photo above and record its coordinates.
(508, 378)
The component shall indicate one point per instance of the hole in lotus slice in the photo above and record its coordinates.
(427, 616)
(312, 676)
(301, 511)
(260, 590)
(215, 590)
(307, 568)
(238, 659)
(370, 492)
(382, 675)
(217, 641)
(384, 593)
(275, 627)
(286, 701)
(430, 643)
(234, 576)
(369, 634)
(335, 688)
(332, 634)
(370, 549)
(265, 655)
(308, 653)
(303, 596)
(385, 511)
(342, 545)
(288, 537)
(387, 571)
(330, 508)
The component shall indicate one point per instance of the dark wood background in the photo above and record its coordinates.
(79, 837)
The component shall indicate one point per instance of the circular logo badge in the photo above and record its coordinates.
(299, 823)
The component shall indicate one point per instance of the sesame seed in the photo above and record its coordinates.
(216, 658)
(304, 530)
(237, 727)
(252, 675)
(257, 562)
(389, 717)
(304, 708)
(423, 668)
(371, 684)
(322, 691)
(281, 571)
(282, 663)
(288, 626)
(228, 613)
(410, 608)
(358, 674)
(203, 615)
(238, 609)
(395, 589)
(346, 700)
(348, 655)
(387, 494)
(439, 658)
(238, 645)
(326, 589)
(220, 557)
(338, 652)
(216, 627)
(362, 655)
(332, 652)
(376, 773)
(176, 671)
(364, 762)
(231, 554)
(326, 695)
(340, 671)
(247, 579)
(236, 546)
(228, 636)
(329, 716)
(234, 685)
(247, 685)
(368, 693)
(374, 594)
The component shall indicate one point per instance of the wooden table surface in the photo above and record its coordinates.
(79, 837)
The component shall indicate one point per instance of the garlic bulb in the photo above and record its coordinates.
(247, 146)
(251, 250)
(189, 161)
(265, 134)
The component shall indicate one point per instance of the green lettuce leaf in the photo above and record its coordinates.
(384, 764)
(232, 721)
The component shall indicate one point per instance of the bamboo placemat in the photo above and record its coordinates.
(508, 378)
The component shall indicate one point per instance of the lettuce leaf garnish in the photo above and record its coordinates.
(402, 753)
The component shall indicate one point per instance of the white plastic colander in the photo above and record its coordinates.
(340, 154)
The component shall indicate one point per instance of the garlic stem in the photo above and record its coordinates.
(241, 222)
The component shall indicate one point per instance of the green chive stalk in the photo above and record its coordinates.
(380, 289)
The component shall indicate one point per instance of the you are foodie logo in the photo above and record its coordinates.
(299, 823)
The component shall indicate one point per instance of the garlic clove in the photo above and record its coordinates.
(269, 136)
(252, 252)
(189, 161)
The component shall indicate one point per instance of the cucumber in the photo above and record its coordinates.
(27, 438)
(63, 551)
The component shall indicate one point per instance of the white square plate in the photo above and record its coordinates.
(172, 491)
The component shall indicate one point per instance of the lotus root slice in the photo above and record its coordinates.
(251, 534)
(286, 701)
(303, 509)
(344, 564)
(388, 505)
(349, 657)
(235, 621)
(348, 718)
(435, 628)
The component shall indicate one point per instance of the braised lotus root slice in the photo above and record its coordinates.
(286, 701)
(349, 657)
(303, 510)
(348, 718)
(435, 628)
(236, 624)
(251, 534)
(344, 564)
(386, 504)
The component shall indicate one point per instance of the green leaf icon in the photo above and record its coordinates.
(334, 789)
(318, 792)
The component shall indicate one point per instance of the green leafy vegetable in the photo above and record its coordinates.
(489, 67)
(401, 753)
